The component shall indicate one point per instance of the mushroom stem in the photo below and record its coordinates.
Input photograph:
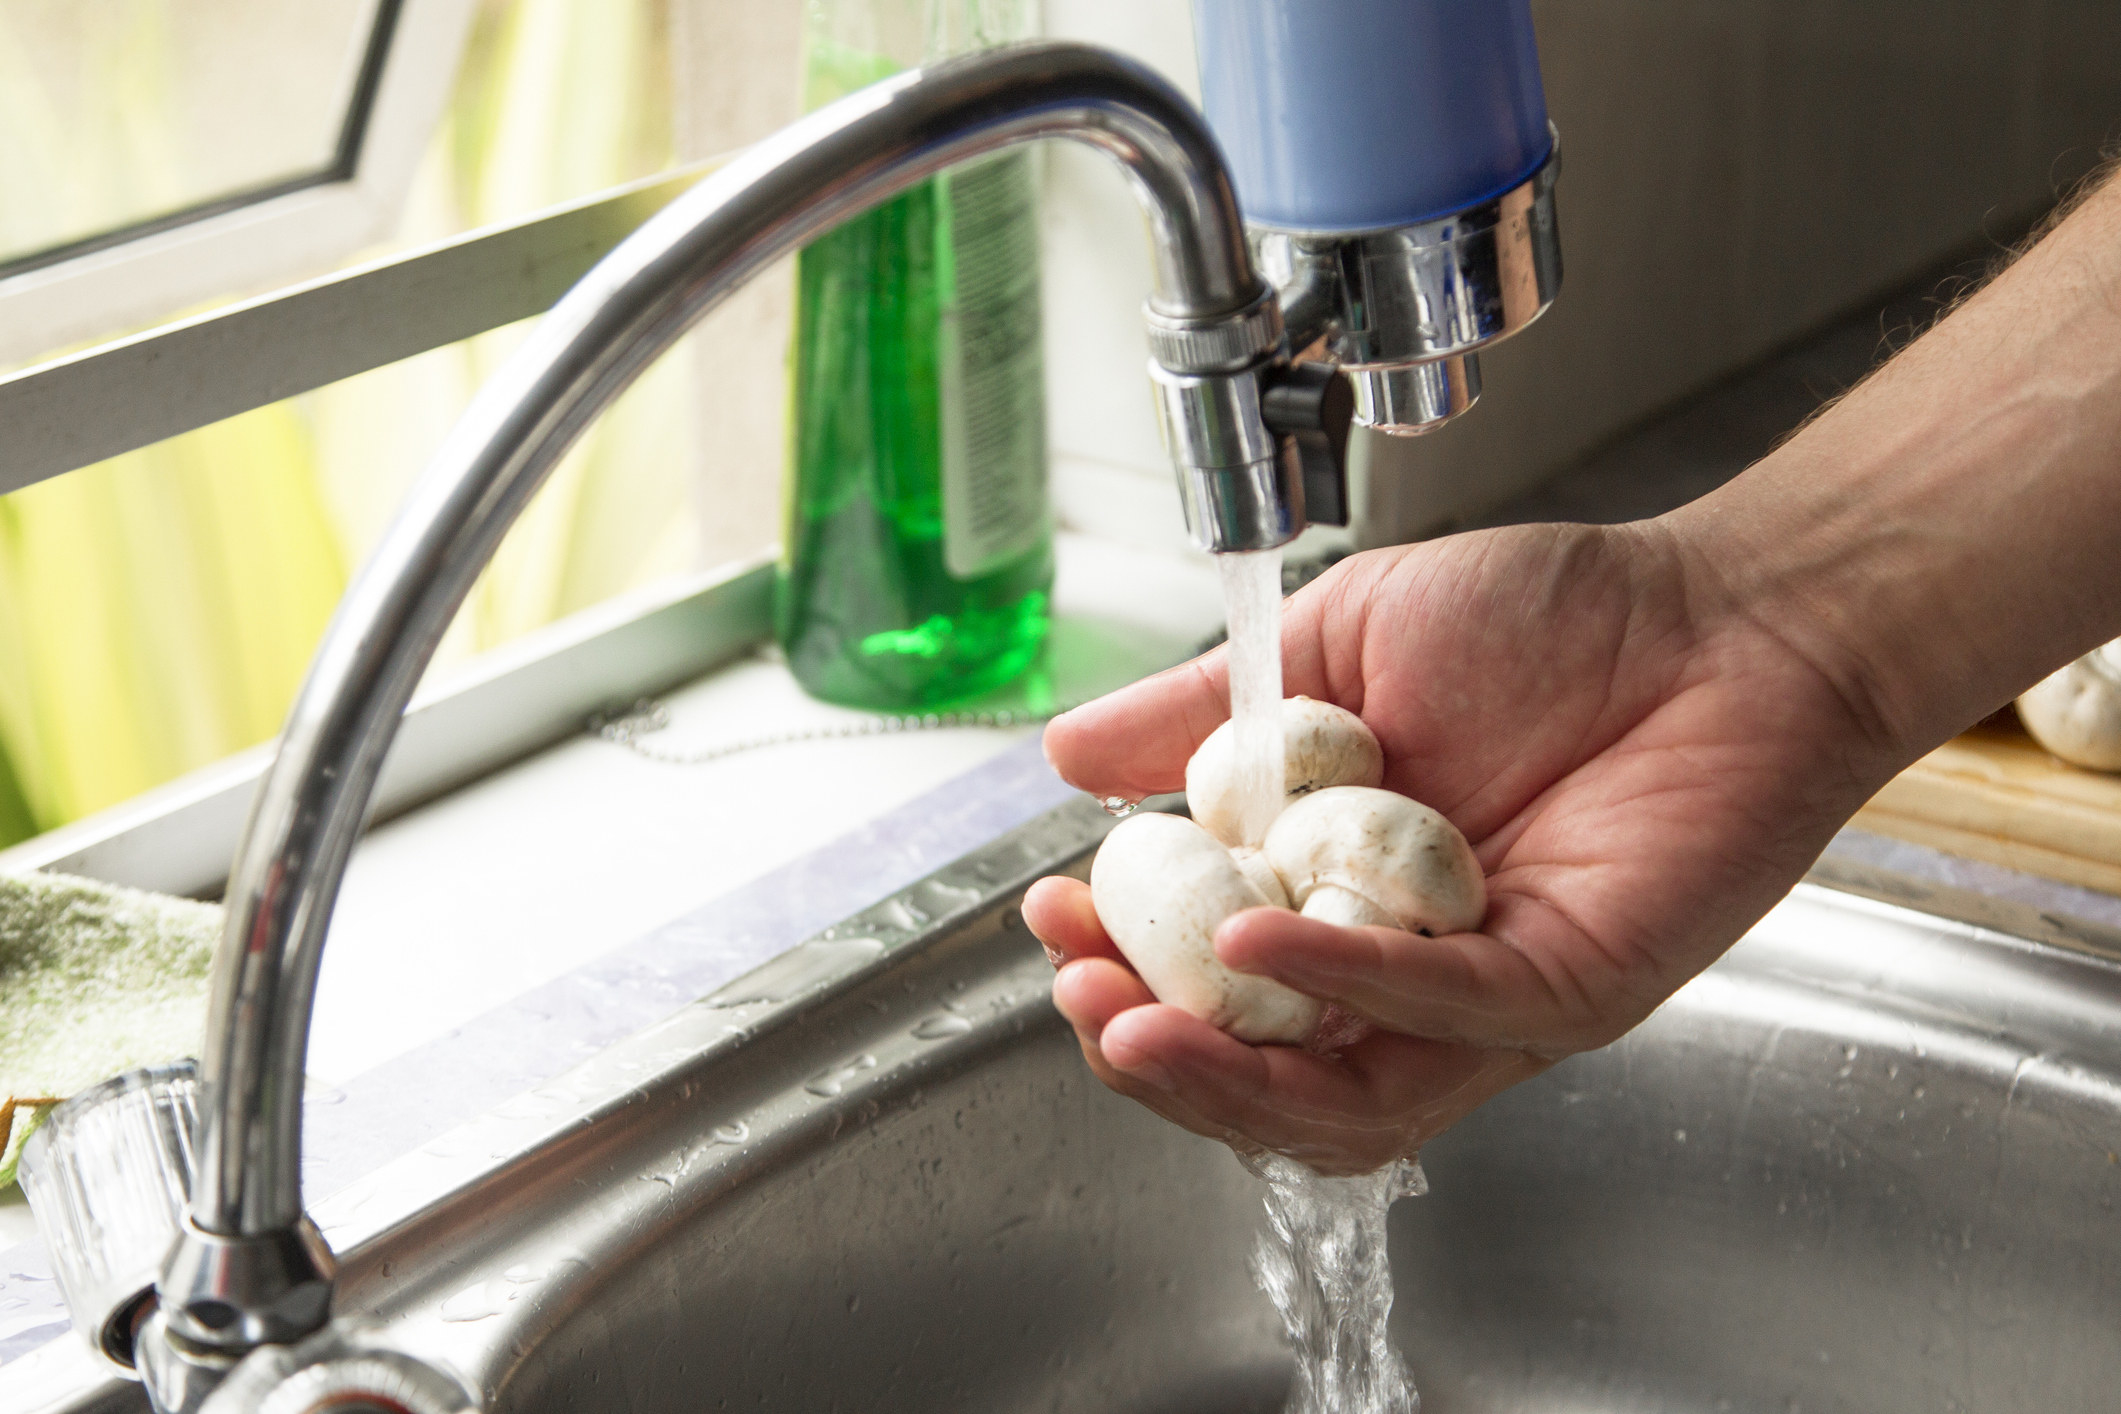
(1381, 852)
(1252, 863)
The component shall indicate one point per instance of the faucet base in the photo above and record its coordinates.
(236, 1293)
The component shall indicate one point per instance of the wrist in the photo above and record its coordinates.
(1951, 530)
(1767, 577)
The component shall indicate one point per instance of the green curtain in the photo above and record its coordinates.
(157, 611)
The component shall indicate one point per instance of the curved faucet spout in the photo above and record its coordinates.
(1213, 325)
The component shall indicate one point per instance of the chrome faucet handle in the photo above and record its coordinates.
(108, 1175)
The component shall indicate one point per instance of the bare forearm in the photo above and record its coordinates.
(1952, 529)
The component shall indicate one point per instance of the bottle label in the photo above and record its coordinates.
(993, 401)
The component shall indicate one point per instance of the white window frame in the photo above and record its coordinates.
(273, 240)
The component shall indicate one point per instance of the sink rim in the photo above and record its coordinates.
(2019, 955)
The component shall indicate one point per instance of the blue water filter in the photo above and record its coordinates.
(1340, 116)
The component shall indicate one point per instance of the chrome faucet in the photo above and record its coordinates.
(248, 1274)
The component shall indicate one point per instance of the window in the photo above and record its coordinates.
(132, 115)
(158, 609)
(157, 153)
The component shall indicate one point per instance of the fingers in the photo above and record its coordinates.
(1135, 742)
(1381, 1100)
(1060, 915)
(1093, 990)
(1467, 987)
(1090, 994)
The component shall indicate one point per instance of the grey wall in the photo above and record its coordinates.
(1737, 173)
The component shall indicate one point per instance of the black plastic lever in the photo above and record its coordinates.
(1310, 407)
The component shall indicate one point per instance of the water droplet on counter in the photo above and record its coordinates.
(732, 1133)
(1120, 806)
(903, 914)
(830, 1084)
(520, 1275)
(942, 1026)
(473, 1303)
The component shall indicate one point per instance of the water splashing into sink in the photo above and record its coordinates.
(1322, 1262)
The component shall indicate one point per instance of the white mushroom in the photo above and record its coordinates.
(2076, 713)
(1356, 856)
(1324, 745)
(1341, 849)
(1161, 886)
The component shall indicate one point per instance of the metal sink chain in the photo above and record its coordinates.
(629, 728)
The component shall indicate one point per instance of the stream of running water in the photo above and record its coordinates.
(1252, 608)
(1321, 1259)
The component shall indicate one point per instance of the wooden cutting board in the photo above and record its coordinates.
(1993, 794)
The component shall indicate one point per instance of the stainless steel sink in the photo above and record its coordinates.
(1865, 1163)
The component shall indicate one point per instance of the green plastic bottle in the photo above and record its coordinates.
(917, 565)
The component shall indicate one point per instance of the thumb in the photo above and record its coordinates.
(1135, 742)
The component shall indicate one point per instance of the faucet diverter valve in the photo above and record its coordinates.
(1238, 492)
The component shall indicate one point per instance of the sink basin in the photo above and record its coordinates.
(1865, 1163)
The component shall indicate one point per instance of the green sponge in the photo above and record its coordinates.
(94, 979)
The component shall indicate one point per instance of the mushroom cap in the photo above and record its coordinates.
(2076, 712)
(1161, 886)
(1397, 853)
(1324, 745)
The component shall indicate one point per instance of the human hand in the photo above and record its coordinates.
(1643, 764)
